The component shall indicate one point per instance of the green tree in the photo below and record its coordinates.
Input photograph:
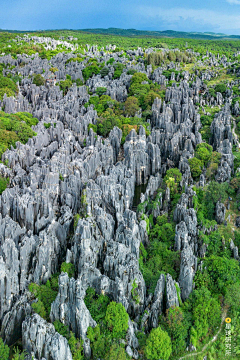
(3, 184)
(53, 69)
(39, 308)
(65, 85)
(79, 82)
(101, 91)
(196, 166)
(18, 355)
(232, 297)
(46, 294)
(89, 71)
(68, 268)
(100, 344)
(206, 312)
(177, 328)
(172, 179)
(118, 70)
(104, 71)
(158, 345)
(4, 350)
(96, 304)
(214, 192)
(38, 80)
(6, 91)
(117, 320)
(223, 272)
(8, 86)
(131, 106)
(203, 152)
(220, 88)
(116, 352)
(61, 329)
(76, 347)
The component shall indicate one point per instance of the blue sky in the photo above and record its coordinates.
(212, 15)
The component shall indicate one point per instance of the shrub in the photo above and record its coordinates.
(79, 82)
(220, 88)
(212, 92)
(6, 83)
(131, 106)
(65, 85)
(118, 70)
(38, 80)
(117, 320)
(101, 91)
(15, 127)
(100, 344)
(158, 345)
(172, 179)
(47, 125)
(116, 352)
(110, 61)
(177, 328)
(77, 59)
(46, 294)
(104, 71)
(76, 347)
(76, 219)
(206, 312)
(61, 329)
(6, 91)
(223, 272)
(27, 117)
(68, 268)
(89, 71)
(131, 72)
(203, 152)
(39, 308)
(19, 355)
(53, 69)
(4, 350)
(96, 304)
(3, 184)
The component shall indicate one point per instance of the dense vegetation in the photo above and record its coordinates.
(15, 127)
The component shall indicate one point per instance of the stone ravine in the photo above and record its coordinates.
(66, 163)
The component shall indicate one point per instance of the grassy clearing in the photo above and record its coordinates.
(224, 77)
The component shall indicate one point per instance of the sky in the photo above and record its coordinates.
(219, 16)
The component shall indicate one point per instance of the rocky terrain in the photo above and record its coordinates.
(72, 193)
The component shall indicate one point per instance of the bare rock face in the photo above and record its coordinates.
(188, 268)
(171, 292)
(220, 212)
(157, 305)
(141, 157)
(40, 337)
(13, 319)
(70, 309)
(238, 221)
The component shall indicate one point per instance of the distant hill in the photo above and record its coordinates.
(141, 33)
(165, 33)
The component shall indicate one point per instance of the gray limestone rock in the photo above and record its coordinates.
(40, 337)
(11, 330)
(220, 212)
(188, 268)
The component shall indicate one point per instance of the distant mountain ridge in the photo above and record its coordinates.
(141, 33)
(164, 33)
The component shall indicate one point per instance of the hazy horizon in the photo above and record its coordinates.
(215, 16)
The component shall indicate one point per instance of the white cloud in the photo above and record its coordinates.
(235, 2)
(179, 16)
